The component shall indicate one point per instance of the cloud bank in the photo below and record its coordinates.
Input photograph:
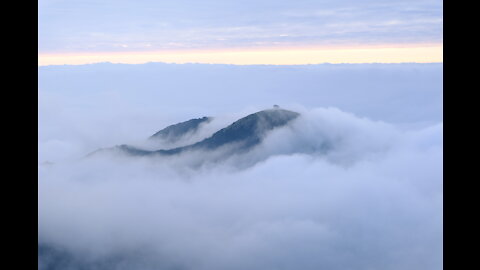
(332, 190)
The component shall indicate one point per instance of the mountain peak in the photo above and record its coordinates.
(175, 132)
(250, 129)
(242, 134)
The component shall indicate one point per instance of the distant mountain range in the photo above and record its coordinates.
(240, 136)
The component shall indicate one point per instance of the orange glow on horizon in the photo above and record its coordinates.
(261, 56)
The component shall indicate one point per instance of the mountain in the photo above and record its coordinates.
(248, 131)
(241, 135)
(175, 132)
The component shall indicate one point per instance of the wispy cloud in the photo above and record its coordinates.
(86, 26)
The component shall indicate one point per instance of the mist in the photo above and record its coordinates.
(355, 182)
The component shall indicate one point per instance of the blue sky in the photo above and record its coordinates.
(78, 26)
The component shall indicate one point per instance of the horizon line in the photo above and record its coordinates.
(276, 56)
(275, 65)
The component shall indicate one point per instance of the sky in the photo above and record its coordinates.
(240, 32)
(373, 201)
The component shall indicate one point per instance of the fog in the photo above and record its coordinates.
(355, 182)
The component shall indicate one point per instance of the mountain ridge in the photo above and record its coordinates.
(243, 134)
(175, 132)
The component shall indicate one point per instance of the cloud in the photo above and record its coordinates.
(102, 25)
(384, 210)
(332, 190)
(103, 105)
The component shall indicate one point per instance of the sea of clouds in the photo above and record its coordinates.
(354, 183)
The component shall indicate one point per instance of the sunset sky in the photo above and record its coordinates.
(240, 32)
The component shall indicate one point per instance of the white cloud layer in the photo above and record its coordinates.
(332, 190)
